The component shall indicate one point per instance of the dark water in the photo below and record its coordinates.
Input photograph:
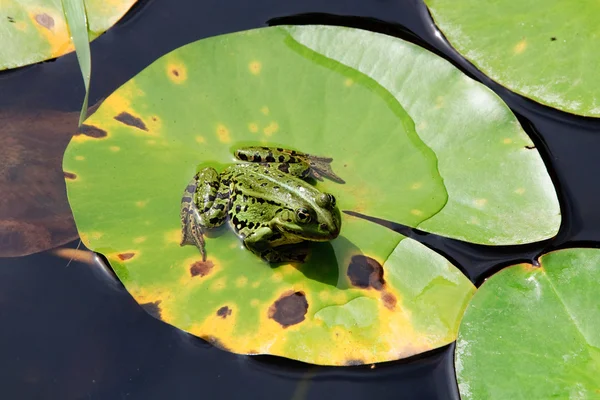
(72, 332)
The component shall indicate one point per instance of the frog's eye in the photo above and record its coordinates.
(302, 215)
(323, 200)
(326, 200)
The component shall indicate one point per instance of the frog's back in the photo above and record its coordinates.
(269, 183)
(259, 192)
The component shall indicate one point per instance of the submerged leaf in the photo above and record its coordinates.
(34, 212)
(544, 51)
(532, 332)
(370, 295)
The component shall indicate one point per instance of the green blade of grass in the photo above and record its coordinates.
(77, 23)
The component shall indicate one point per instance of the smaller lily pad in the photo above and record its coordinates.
(38, 31)
(544, 51)
(533, 332)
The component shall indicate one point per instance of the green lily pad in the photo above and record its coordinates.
(38, 31)
(532, 332)
(544, 52)
(370, 295)
(499, 192)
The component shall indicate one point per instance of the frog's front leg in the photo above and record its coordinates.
(261, 242)
(315, 166)
(204, 204)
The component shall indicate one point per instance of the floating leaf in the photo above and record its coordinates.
(532, 332)
(38, 31)
(499, 192)
(547, 54)
(370, 295)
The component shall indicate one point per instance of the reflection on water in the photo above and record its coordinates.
(70, 331)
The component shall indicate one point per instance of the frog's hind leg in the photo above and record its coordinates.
(318, 167)
(204, 204)
(191, 230)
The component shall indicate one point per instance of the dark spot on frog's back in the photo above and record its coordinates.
(289, 309)
(125, 256)
(224, 312)
(69, 175)
(128, 119)
(91, 131)
(152, 309)
(45, 20)
(284, 167)
(365, 272)
(201, 268)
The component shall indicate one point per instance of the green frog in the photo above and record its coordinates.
(267, 200)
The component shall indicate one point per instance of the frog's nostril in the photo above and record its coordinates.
(323, 227)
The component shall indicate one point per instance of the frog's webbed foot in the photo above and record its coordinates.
(321, 167)
(291, 253)
(192, 233)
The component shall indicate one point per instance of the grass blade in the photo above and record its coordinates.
(77, 23)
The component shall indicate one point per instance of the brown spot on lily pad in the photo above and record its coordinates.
(224, 312)
(45, 20)
(69, 175)
(152, 309)
(389, 300)
(201, 268)
(215, 342)
(289, 309)
(353, 363)
(365, 272)
(91, 131)
(125, 256)
(131, 120)
(175, 72)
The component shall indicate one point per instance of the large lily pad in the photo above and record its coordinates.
(542, 51)
(35, 30)
(532, 332)
(370, 295)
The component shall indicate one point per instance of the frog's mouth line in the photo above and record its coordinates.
(312, 238)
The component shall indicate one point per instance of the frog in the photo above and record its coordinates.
(268, 200)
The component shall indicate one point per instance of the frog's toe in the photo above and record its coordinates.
(321, 167)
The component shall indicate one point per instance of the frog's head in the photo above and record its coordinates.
(317, 221)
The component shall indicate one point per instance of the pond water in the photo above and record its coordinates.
(70, 331)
